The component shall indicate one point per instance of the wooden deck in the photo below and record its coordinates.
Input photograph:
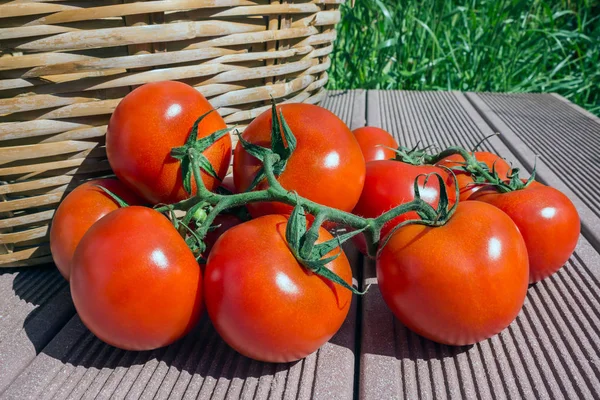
(552, 350)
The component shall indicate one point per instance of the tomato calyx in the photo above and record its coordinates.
(428, 215)
(515, 182)
(279, 151)
(197, 147)
(412, 156)
(302, 243)
(479, 171)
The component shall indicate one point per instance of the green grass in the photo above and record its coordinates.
(497, 46)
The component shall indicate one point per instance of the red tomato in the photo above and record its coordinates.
(262, 302)
(548, 221)
(228, 184)
(391, 183)
(459, 283)
(134, 282)
(223, 223)
(371, 141)
(465, 180)
(147, 124)
(327, 166)
(78, 212)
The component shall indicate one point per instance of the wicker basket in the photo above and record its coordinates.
(64, 67)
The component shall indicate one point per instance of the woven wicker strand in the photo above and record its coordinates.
(65, 67)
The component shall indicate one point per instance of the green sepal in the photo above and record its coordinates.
(117, 199)
(319, 250)
(289, 138)
(278, 147)
(174, 219)
(296, 236)
(277, 144)
(296, 227)
(259, 153)
(197, 147)
(254, 150)
(412, 156)
(258, 178)
(533, 173)
(186, 173)
(207, 166)
(207, 141)
(191, 243)
(319, 268)
(194, 133)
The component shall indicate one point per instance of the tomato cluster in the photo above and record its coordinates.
(456, 240)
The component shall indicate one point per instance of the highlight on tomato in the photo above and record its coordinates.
(326, 166)
(459, 283)
(78, 211)
(547, 220)
(263, 302)
(135, 283)
(147, 124)
(375, 143)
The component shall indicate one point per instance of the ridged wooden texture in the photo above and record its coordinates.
(65, 66)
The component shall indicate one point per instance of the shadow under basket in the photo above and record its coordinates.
(65, 66)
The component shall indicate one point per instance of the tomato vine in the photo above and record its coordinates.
(301, 239)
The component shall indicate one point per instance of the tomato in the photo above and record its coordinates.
(372, 141)
(223, 223)
(228, 184)
(548, 221)
(390, 183)
(134, 282)
(82, 207)
(465, 180)
(147, 124)
(266, 305)
(327, 166)
(459, 283)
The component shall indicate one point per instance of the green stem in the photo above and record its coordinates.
(275, 192)
(471, 162)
